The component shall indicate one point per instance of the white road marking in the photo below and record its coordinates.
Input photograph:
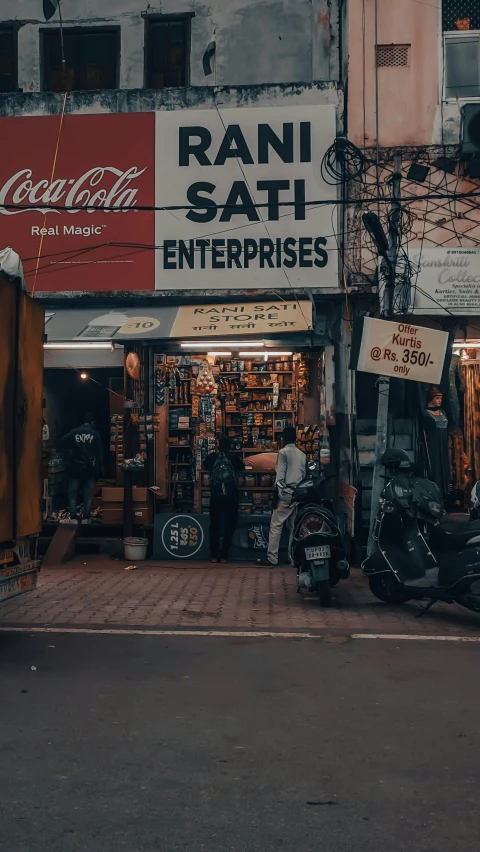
(248, 634)
(411, 636)
(232, 634)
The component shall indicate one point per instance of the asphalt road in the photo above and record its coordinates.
(145, 743)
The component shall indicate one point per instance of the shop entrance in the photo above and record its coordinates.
(69, 394)
(177, 406)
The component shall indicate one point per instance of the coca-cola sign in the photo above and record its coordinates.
(57, 207)
(20, 194)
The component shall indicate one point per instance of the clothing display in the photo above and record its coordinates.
(436, 432)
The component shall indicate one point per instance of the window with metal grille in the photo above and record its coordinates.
(8, 59)
(91, 59)
(392, 55)
(167, 54)
(461, 15)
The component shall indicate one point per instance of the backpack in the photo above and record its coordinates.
(223, 477)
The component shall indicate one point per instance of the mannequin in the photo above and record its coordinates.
(436, 431)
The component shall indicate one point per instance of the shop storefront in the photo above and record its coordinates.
(191, 374)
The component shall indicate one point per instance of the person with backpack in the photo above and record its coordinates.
(223, 468)
(83, 450)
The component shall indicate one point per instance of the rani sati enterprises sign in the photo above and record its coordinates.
(400, 350)
(237, 166)
(448, 281)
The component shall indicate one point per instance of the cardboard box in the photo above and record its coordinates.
(142, 514)
(112, 516)
(116, 495)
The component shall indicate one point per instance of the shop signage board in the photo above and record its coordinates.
(102, 161)
(242, 158)
(243, 318)
(186, 321)
(400, 350)
(93, 222)
(448, 281)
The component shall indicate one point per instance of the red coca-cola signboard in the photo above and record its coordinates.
(94, 170)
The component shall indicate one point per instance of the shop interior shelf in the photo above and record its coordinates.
(253, 373)
(180, 404)
(256, 488)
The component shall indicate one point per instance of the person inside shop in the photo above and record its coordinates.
(435, 424)
(82, 448)
(290, 470)
(223, 468)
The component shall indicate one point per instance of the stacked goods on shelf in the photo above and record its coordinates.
(117, 440)
(309, 441)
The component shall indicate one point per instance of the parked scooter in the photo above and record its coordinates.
(418, 556)
(318, 549)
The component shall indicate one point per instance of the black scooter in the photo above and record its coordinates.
(417, 555)
(318, 549)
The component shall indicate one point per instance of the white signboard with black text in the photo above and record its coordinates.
(399, 349)
(226, 162)
(448, 281)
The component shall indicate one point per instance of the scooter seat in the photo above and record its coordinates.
(454, 533)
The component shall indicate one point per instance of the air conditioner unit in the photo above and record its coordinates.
(471, 129)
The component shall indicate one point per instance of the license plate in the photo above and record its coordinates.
(321, 552)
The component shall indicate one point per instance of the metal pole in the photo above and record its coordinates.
(64, 64)
(386, 310)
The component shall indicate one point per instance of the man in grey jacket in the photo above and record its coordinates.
(291, 465)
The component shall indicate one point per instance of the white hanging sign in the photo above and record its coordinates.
(399, 349)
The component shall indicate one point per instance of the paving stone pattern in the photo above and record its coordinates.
(156, 595)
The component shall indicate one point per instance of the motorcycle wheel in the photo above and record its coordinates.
(324, 593)
(386, 588)
(471, 599)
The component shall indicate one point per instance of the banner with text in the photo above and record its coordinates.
(400, 350)
(448, 281)
(238, 166)
(78, 204)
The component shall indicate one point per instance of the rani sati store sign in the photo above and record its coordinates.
(186, 321)
(173, 200)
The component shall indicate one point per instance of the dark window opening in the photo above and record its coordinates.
(91, 60)
(167, 52)
(461, 15)
(8, 59)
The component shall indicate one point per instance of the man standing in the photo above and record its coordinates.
(84, 464)
(223, 468)
(290, 469)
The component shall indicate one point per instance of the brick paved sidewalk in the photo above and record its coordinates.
(99, 592)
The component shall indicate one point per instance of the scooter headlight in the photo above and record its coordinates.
(315, 525)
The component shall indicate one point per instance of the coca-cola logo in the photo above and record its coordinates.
(91, 191)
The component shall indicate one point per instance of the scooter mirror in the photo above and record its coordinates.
(312, 466)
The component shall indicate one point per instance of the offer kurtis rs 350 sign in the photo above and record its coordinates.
(83, 198)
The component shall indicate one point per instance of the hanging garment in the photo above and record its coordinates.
(436, 432)
(453, 392)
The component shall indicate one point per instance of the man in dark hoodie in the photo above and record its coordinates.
(83, 452)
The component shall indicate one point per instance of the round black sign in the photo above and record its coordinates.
(182, 536)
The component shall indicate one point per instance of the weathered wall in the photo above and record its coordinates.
(258, 41)
(410, 109)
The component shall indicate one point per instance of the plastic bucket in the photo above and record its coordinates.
(135, 548)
